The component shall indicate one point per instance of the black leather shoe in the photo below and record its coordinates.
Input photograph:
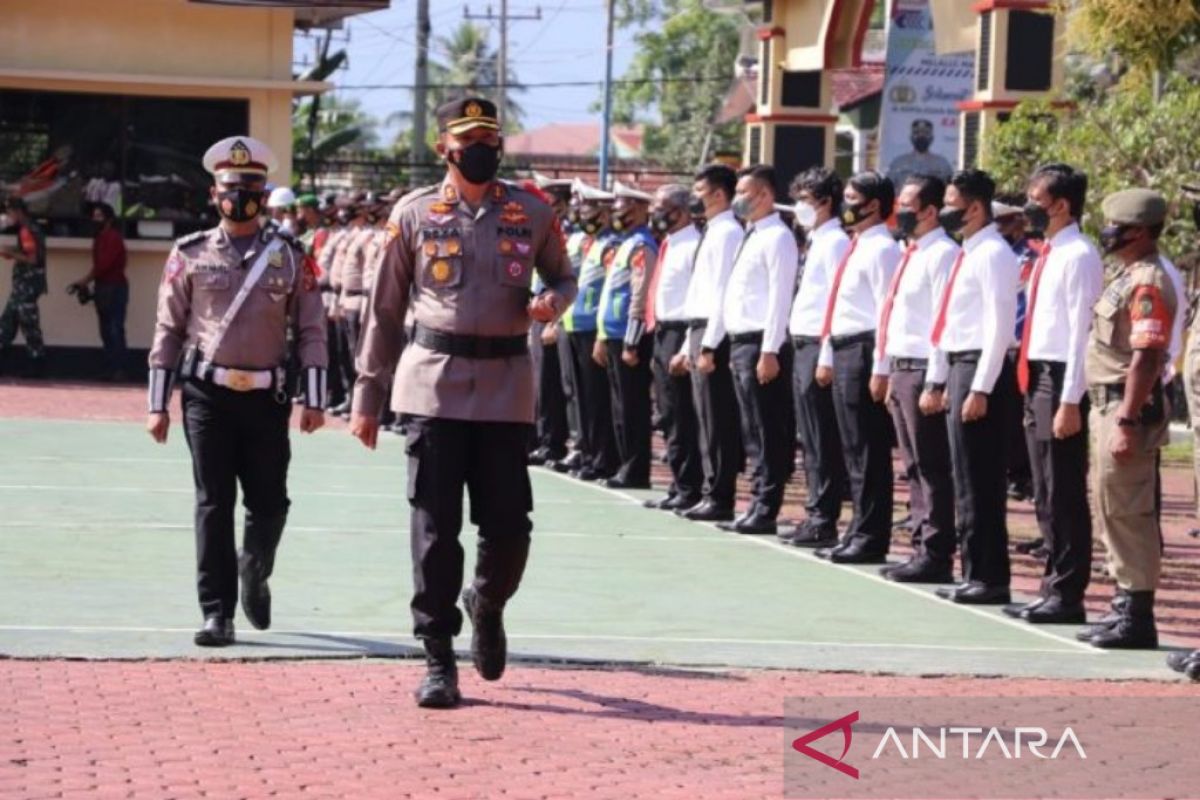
(256, 595)
(1018, 610)
(856, 554)
(756, 523)
(707, 511)
(539, 457)
(827, 552)
(1178, 661)
(1025, 548)
(489, 645)
(948, 592)
(921, 570)
(216, 632)
(977, 594)
(439, 687)
(621, 483)
(1119, 602)
(807, 535)
(588, 474)
(671, 503)
(1056, 612)
(1135, 630)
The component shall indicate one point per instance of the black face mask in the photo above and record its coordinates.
(852, 215)
(696, 207)
(663, 221)
(922, 143)
(953, 219)
(591, 226)
(906, 222)
(477, 163)
(240, 205)
(1112, 238)
(1039, 218)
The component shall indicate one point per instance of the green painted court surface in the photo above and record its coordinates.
(97, 558)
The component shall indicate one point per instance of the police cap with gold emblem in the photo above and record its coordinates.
(1142, 207)
(240, 159)
(460, 116)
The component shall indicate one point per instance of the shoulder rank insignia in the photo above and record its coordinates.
(191, 238)
(441, 208)
(513, 207)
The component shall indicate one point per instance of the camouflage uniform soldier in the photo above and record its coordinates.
(28, 284)
(1131, 334)
(460, 256)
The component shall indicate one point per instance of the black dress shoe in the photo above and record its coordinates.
(807, 535)
(1178, 661)
(827, 552)
(856, 554)
(621, 483)
(661, 504)
(1018, 610)
(921, 570)
(1056, 612)
(588, 474)
(489, 645)
(707, 511)
(217, 632)
(978, 594)
(439, 687)
(256, 595)
(671, 503)
(1025, 548)
(947, 592)
(753, 524)
(538, 457)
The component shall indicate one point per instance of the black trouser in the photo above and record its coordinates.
(926, 443)
(1019, 470)
(978, 452)
(824, 467)
(490, 460)
(678, 413)
(551, 401)
(566, 366)
(629, 389)
(595, 409)
(112, 300)
(337, 388)
(766, 412)
(865, 431)
(715, 400)
(1059, 468)
(349, 327)
(235, 437)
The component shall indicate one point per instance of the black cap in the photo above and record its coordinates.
(459, 116)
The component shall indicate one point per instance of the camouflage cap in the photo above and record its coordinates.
(1135, 207)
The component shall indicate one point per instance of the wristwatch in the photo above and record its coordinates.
(1127, 422)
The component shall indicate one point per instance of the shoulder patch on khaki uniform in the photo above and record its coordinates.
(191, 238)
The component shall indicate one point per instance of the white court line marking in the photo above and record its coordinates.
(581, 637)
(876, 578)
(298, 493)
(182, 462)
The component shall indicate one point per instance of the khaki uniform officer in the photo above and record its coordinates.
(227, 298)
(1131, 334)
(460, 256)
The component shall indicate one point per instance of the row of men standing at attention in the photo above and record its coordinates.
(865, 341)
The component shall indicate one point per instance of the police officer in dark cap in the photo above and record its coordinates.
(459, 258)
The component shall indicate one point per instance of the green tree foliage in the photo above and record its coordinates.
(683, 40)
(342, 127)
(1148, 35)
(1121, 138)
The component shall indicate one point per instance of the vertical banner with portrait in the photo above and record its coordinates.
(918, 124)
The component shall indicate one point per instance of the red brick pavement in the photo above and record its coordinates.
(350, 729)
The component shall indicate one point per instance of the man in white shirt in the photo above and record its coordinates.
(970, 375)
(667, 322)
(708, 347)
(848, 361)
(1067, 279)
(754, 314)
(818, 196)
(905, 322)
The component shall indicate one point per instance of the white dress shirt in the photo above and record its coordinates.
(918, 296)
(675, 274)
(714, 262)
(1181, 302)
(982, 312)
(826, 246)
(1069, 284)
(759, 293)
(862, 290)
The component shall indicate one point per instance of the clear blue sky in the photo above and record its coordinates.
(566, 45)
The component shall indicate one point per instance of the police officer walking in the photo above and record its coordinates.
(1131, 335)
(463, 253)
(227, 299)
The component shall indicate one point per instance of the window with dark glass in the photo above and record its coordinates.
(64, 152)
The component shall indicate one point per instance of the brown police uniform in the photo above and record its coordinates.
(465, 380)
(234, 402)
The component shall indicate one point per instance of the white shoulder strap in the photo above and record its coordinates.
(256, 271)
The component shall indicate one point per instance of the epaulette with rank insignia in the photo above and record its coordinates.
(191, 238)
(417, 193)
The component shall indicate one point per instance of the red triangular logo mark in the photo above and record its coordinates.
(800, 745)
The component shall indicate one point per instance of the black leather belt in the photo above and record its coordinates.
(1103, 393)
(750, 337)
(696, 324)
(671, 325)
(805, 341)
(456, 344)
(839, 342)
(355, 292)
(910, 364)
(965, 357)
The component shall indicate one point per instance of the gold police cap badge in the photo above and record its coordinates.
(239, 154)
(473, 109)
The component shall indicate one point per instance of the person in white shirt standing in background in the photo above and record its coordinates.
(970, 375)
(754, 311)
(849, 362)
(818, 196)
(905, 323)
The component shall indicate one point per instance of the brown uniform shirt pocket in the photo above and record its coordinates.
(441, 272)
(514, 271)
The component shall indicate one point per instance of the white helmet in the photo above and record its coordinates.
(281, 197)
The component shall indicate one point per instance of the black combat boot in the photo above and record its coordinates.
(255, 564)
(489, 645)
(1135, 630)
(1119, 602)
(439, 687)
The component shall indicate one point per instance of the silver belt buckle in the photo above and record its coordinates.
(239, 380)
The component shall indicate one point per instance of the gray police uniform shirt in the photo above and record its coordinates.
(464, 272)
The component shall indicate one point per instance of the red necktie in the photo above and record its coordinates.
(837, 283)
(939, 324)
(659, 263)
(890, 300)
(1023, 358)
